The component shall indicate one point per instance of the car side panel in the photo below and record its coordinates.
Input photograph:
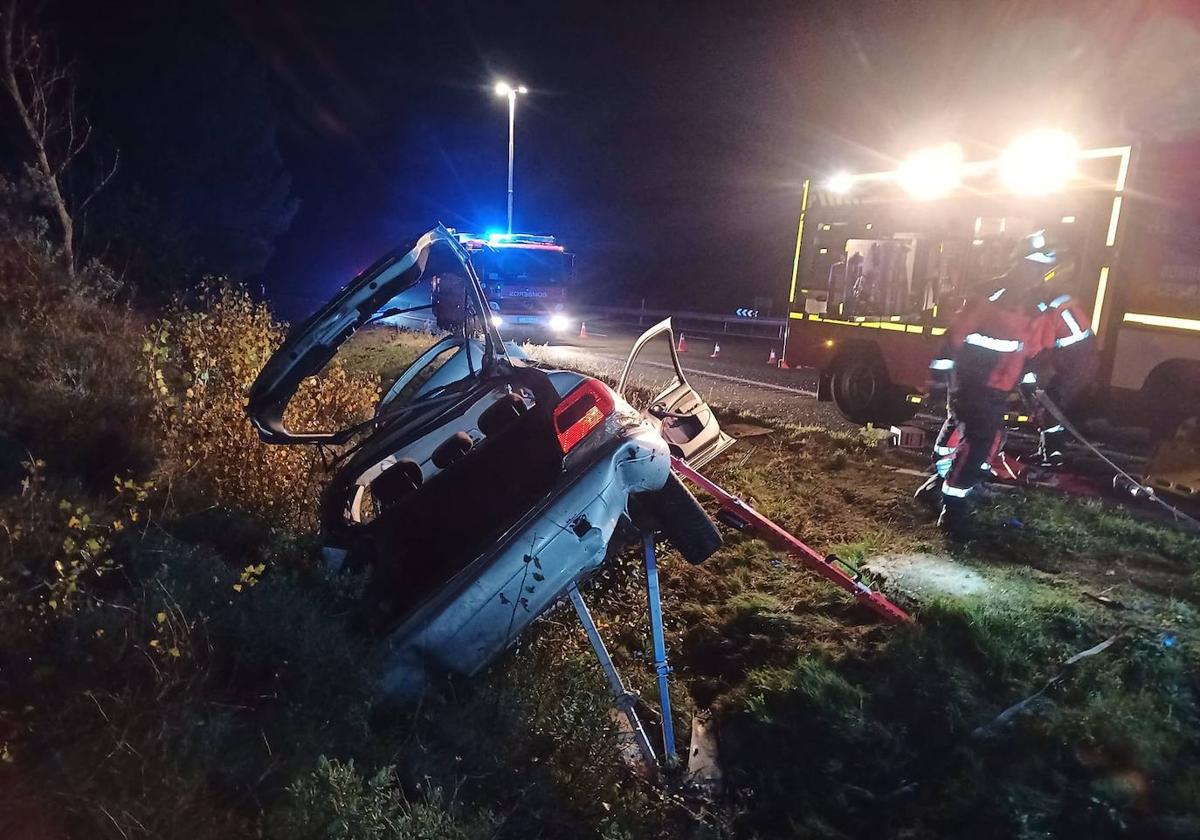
(487, 615)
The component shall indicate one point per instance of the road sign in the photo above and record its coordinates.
(742, 312)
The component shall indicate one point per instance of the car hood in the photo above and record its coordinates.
(310, 347)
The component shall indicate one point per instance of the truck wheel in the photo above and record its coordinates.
(864, 394)
(858, 382)
(1172, 393)
(682, 520)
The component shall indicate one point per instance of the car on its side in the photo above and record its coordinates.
(485, 485)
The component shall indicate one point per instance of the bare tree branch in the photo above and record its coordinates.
(42, 92)
(100, 184)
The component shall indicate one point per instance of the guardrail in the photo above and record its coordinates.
(700, 322)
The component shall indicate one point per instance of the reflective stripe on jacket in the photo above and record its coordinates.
(1066, 320)
(1004, 331)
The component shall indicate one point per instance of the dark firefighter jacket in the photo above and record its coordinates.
(992, 339)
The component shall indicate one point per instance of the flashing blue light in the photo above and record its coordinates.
(498, 236)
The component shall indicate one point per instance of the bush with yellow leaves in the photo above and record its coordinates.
(54, 551)
(201, 360)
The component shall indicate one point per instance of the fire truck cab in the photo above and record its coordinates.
(527, 279)
(884, 260)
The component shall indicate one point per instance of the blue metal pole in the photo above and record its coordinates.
(660, 650)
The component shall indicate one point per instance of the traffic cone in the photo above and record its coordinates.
(682, 348)
(716, 353)
(582, 329)
(772, 360)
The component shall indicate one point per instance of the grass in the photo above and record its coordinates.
(1063, 525)
(384, 350)
(832, 726)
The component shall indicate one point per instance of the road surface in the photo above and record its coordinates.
(738, 378)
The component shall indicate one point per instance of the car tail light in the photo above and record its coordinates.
(581, 411)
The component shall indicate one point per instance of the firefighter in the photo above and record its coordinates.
(1065, 368)
(982, 360)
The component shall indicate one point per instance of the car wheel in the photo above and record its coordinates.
(682, 520)
(858, 381)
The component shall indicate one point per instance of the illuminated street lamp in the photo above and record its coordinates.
(505, 89)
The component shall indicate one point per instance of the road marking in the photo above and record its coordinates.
(738, 379)
(802, 392)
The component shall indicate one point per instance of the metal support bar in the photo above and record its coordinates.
(661, 668)
(624, 698)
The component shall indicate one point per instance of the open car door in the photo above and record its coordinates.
(426, 285)
(683, 419)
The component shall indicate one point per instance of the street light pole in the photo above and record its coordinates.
(505, 89)
(512, 148)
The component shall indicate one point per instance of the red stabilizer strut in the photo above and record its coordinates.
(740, 512)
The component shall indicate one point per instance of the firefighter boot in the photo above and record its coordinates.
(956, 519)
(1050, 448)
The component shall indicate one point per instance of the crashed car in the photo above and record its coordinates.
(485, 486)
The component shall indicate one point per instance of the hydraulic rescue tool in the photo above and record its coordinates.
(1121, 479)
(738, 515)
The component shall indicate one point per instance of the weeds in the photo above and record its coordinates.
(335, 801)
(200, 360)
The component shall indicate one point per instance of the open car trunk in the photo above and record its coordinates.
(426, 286)
(496, 459)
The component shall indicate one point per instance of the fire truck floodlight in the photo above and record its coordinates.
(842, 182)
(1040, 162)
(931, 173)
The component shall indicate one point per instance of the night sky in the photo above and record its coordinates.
(664, 142)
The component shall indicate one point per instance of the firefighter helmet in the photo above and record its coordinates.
(1048, 254)
(1039, 247)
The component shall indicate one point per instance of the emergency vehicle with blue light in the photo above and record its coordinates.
(527, 279)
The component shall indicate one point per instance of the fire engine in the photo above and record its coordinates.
(527, 280)
(883, 260)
